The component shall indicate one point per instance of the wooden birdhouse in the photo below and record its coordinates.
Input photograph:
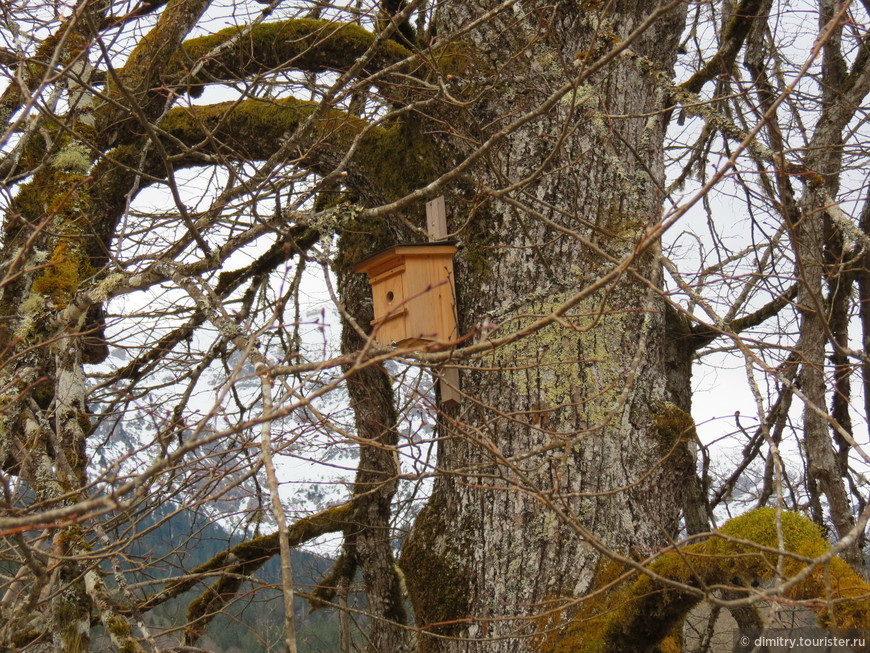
(413, 294)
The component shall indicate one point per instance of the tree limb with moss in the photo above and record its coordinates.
(640, 610)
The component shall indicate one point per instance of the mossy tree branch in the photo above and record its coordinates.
(232, 54)
(639, 614)
(732, 40)
(244, 559)
(342, 572)
(387, 162)
(142, 72)
(301, 44)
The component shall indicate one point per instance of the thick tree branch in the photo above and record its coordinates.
(252, 555)
(146, 63)
(386, 162)
(638, 615)
(301, 44)
(245, 558)
(378, 162)
(732, 40)
(704, 334)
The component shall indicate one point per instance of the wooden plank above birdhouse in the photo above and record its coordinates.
(413, 294)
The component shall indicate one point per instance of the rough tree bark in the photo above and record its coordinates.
(571, 439)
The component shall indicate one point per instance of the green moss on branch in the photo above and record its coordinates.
(389, 161)
(243, 560)
(147, 63)
(299, 44)
(639, 614)
(259, 550)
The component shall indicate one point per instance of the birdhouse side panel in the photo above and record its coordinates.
(431, 304)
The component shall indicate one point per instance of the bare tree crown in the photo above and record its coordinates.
(646, 428)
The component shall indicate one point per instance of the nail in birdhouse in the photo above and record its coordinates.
(413, 294)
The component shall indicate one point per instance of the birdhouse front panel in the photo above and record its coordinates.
(412, 294)
(390, 307)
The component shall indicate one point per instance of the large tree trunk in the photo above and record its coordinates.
(570, 439)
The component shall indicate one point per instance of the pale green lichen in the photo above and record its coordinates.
(585, 95)
(100, 293)
(32, 305)
(329, 224)
(569, 361)
(75, 158)
(28, 312)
